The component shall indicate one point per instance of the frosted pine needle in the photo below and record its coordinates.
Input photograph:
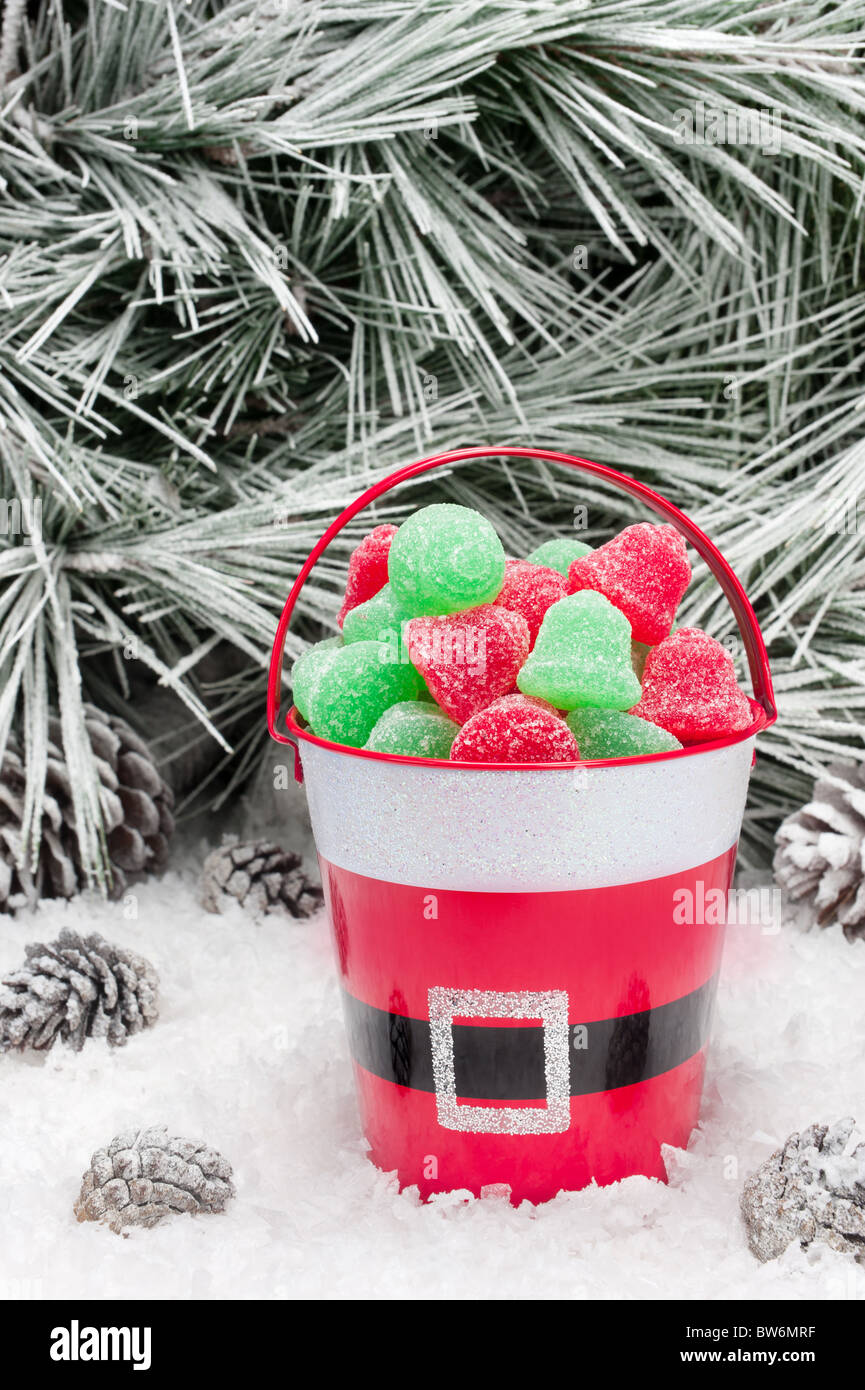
(253, 255)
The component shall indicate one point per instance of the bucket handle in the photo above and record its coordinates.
(755, 647)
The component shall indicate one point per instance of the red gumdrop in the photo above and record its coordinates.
(469, 659)
(643, 571)
(531, 589)
(690, 689)
(515, 729)
(367, 569)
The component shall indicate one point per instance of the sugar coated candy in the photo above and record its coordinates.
(559, 554)
(530, 590)
(360, 682)
(308, 670)
(414, 729)
(469, 659)
(445, 559)
(439, 631)
(582, 656)
(367, 569)
(690, 688)
(608, 733)
(379, 619)
(515, 729)
(644, 571)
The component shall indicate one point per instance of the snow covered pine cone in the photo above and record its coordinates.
(76, 988)
(820, 859)
(811, 1189)
(136, 803)
(145, 1175)
(260, 876)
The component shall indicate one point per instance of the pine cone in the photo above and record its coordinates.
(811, 1189)
(144, 1176)
(136, 805)
(820, 859)
(76, 988)
(261, 876)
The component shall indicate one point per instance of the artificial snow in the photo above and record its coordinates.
(249, 1055)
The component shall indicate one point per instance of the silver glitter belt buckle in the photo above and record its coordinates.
(551, 1007)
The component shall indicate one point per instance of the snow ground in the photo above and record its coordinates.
(248, 1054)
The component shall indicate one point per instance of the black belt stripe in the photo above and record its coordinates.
(508, 1063)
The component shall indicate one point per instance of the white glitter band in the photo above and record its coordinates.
(518, 831)
(551, 1007)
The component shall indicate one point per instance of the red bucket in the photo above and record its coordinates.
(527, 968)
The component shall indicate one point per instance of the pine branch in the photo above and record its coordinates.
(10, 33)
(252, 256)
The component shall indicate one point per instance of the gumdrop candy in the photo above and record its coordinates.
(358, 684)
(607, 733)
(469, 659)
(559, 554)
(582, 656)
(308, 670)
(690, 688)
(515, 729)
(415, 730)
(644, 571)
(530, 590)
(445, 559)
(379, 619)
(367, 569)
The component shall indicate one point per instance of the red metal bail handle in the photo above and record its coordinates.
(755, 647)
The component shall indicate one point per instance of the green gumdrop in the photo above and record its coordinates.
(607, 733)
(379, 619)
(414, 729)
(382, 619)
(308, 670)
(582, 656)
(358, 684)
(444, 559)
(559, 554)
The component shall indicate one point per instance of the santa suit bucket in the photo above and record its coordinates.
(528, 955)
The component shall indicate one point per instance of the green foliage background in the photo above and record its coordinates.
(253, 255)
